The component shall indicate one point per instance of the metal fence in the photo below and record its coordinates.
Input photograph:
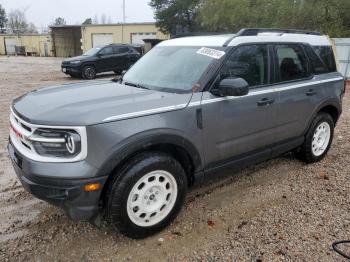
(342, 46)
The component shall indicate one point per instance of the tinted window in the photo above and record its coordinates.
(327, 56)
(107, 51)
(318, 67)
(120, 49)
(292, 63)
(249, 63)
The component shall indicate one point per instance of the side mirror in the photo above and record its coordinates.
(233, 87)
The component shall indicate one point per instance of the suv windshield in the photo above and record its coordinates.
(171, 68)
(92, 51)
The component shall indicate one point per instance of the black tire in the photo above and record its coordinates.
(123, 184)
(89, 72)
(306, 153)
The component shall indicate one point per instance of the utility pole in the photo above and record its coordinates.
(123, 21)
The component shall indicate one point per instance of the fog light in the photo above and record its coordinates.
(92, 187)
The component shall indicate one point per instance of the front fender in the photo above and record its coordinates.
(140, 141)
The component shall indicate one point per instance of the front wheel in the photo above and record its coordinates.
(146, 195)
(89, 72)
(318, 139)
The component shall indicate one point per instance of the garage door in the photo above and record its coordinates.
(10, 44)
(102, 39)
(137, 38)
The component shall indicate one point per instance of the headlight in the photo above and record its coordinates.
(75, 62)
(56, 143)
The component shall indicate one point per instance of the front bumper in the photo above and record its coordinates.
(69, 69)
(65, 193)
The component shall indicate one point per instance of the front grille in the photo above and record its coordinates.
(20, 132)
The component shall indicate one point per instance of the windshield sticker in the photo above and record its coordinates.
(213, 53)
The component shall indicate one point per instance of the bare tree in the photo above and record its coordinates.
(95, 20)
(109, 20)
(17, 21)
(103, 19)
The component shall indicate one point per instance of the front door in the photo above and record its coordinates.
(234, 126)
(106, 59)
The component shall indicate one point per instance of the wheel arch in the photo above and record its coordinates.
(332, 107)
(175, 145)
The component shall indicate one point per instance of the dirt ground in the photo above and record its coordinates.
(279, 210)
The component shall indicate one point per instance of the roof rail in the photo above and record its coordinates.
(199, 34)
(256, 31)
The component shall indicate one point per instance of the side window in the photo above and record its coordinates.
(292, 63)
(318, 67)
(107, 51)
(120, 50)
(327, 56)
(248, 62)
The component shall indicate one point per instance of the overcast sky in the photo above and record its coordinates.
(43, 12)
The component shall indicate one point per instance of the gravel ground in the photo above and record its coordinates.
(279, 210)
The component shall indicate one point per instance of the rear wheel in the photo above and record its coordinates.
(146, 195)
(89, 72)
(318, 139)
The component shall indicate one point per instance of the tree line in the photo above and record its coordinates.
(331, 17)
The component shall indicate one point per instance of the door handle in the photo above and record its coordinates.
(266, 102)
(311, 92)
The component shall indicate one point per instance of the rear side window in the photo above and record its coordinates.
(327, 56)
(248, 62)
(292, 63)
(318, 67)
(120, 50)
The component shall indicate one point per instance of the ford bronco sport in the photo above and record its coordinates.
(128, 151)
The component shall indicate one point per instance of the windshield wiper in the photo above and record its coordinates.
(135, 85)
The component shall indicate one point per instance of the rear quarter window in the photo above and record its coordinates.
(318, 66)
(327, 56)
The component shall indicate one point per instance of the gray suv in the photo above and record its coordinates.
(127, 151)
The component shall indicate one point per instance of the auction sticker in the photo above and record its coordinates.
(213, 53)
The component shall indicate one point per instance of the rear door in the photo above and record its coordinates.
(234, 126)
(299, 90)
(120, 57)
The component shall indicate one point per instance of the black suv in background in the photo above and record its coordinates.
(100, 59)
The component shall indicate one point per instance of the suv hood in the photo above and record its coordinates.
(93, 102)
(75, 58)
